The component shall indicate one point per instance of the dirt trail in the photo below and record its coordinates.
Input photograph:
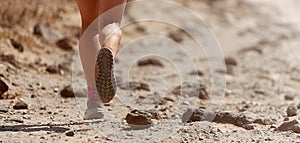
(260, 40)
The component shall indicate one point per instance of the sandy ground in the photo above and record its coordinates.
(259, 39)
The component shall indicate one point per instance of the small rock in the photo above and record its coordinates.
(298, 106)
(3, 110)
(150, 61)
(17, 120)
(136, 117)
(221, 117)
(198, 72)
(47, 33)
(170, 98)
(65, 44)
(289, 126)
(192, 90)
(291, 111)
(296, 128)
(55, 90)
(14, 84)
(10, 59)
(140, 29)
(52, 69)
(289, 97)
(67, 92)
(176, 36)
(43, 108)
(231, 61)
(139, 86)
(20, 104)
(70, 134)
(9, 96)
(265, 121)
(3, 88)
(18, 46)
(286, 119)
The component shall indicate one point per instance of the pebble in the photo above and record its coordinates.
(20, 104)
(67, 92)
(3, 88)
(150, 62)
(65, 44)
(293, 125)
(55, 90)
(52, 69)
(43, 108)
(3, 110)
(18, 46)
(192, 90)
(265, 121)
(140, 29)
(289, 97)
(176, 36)
(286, 119)
(197, 72)
(139, 86)
(137, 117)
(70, 133)
(170, 98)
(291, 111)
(51, 35)
(231, 61)
(10, 59)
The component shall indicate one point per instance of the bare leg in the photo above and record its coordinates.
(88, 43)
(109, 34)
(91, 37)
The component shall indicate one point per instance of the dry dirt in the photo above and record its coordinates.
(259, 38)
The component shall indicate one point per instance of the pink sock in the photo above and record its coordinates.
(91, 93)
(112, 51)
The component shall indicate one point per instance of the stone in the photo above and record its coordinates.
(291, 111)
(176, 36)
(20, 104)
(231, 61)
(3, 110)
(192, 90)
(52, 69)
(10, 59)
(18, 46)
(197, 72)
(65, 44)
(48, 34)
(70, 133)
(3, 88)
(289, 126)
(67, 92)
(150, 62)
(289, 97)
(137, 117)
(265, 121)
(139, 86)
(202, 114)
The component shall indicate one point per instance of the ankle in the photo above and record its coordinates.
(91, 93)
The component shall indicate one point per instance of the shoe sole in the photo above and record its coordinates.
(105, 81)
